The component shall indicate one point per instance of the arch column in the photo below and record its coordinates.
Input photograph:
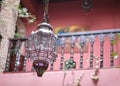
(8, 18)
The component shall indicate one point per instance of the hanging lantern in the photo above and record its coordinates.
(41, 46)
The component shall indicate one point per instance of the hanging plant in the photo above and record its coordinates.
(114, 42)
(70, 64)
(114, 55)
(18, 35)
(23, 13)
(13, 51)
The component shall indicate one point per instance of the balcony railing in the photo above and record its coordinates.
(88, 49)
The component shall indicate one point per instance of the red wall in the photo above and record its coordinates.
(103, 15)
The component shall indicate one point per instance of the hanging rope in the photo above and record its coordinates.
(45, 16)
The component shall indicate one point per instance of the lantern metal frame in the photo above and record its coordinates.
(41, 45)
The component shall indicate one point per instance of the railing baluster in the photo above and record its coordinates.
(82, 43)
(111, 37)
(24, 62)
(52, 62)
(8, 57)
(62, 52)
(90, 34)
(101, 38)
(72, 47)
(92, 39)
(17, 61)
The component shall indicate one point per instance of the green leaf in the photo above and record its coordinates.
(118, 36)
(114, 42)
(44, 1)
(115, 55)
(70, 64)
(18, 35)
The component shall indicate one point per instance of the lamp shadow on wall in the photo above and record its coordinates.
(70, 29)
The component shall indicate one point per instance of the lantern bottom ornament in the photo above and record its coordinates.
(40, 66)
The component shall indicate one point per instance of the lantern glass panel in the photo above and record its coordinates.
(42, 44)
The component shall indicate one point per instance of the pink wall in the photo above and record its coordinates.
(107, 77)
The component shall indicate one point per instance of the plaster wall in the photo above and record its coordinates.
(103, 15)
(107, 77)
